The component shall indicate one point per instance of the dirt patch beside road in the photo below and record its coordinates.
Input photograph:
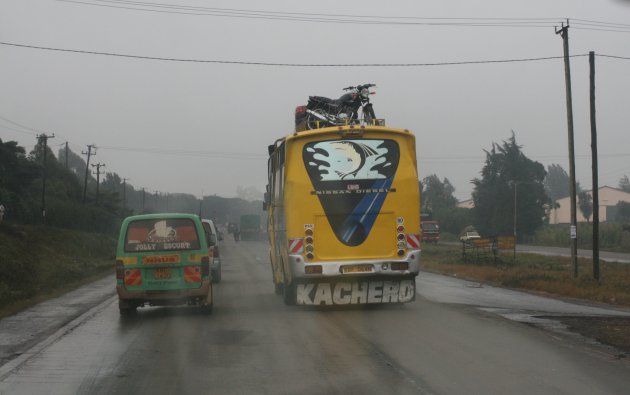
(611, 331)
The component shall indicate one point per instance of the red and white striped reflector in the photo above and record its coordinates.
(192, 274)
(133, 277)
(413, 240)
(296, 246)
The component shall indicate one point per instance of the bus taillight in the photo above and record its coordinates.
(400, 239)
(308, 244)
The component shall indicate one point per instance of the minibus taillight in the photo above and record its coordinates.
(120, 270)
(205, 266)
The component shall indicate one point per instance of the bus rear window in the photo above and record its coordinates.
(161, 235)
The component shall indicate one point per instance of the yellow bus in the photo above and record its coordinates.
(344, 215)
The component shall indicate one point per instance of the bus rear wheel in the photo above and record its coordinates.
(289, 294)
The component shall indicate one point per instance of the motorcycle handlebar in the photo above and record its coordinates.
(358, 87)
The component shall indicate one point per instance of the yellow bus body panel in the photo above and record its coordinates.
(304, 208)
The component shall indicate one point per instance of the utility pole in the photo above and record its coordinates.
(43, 144)
(200, 203)
(515, 208)
(124, 200)
(66, 155)
(564, 33)
(87, 169)
(98, 177)
(143, 196)
(591, 61)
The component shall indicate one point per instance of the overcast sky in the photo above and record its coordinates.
(203, 127)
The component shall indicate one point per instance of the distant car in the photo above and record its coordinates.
(213, 237)
(469, 236)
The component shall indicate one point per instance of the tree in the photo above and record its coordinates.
(585, 202)
(437, 195)
(624, 183)
(249, 193)
(623, 212)
(556, 182)
(508, 173)
(76, 163)
(438, 199)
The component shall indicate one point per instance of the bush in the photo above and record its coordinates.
(611, 236)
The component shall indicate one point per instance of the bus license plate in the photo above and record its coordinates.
(358, 269)
(162, 273)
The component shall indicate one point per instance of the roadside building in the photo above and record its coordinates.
(608, 199)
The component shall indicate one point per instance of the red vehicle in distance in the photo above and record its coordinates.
(430, 231)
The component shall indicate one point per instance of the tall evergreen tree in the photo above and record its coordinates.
(585, 203)
(556, 182)
(508, 173)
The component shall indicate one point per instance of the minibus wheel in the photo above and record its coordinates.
(216, 275)
(207, 307)
(126, 308)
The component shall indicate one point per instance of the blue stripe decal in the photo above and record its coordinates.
(366, 212)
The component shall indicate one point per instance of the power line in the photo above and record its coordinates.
(511, 22)
(18, 130)
(18, 124)
(318, 17)
(250, 63)
(184, 152)
(600, 30)
(613, 56)
(236, 10)
(594, 22)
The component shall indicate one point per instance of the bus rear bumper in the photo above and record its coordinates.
(344, 269)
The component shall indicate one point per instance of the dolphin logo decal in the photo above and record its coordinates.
(351, 179)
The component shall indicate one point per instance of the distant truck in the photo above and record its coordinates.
(430, 231)
(250, 227)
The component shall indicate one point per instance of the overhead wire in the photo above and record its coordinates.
(185, 152)
(34, 131)
(316, 17)
(578, 23)
(17, 130)
(251, 63)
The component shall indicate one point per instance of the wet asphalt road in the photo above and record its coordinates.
(449, 341)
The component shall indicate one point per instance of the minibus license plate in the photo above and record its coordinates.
(162, 273)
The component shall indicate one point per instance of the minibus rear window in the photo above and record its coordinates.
(150, 235)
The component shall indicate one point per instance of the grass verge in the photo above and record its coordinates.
(38, 263)
(544, 274)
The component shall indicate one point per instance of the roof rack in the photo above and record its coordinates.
(301, 127)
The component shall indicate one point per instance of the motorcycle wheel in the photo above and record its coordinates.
(368, 115)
